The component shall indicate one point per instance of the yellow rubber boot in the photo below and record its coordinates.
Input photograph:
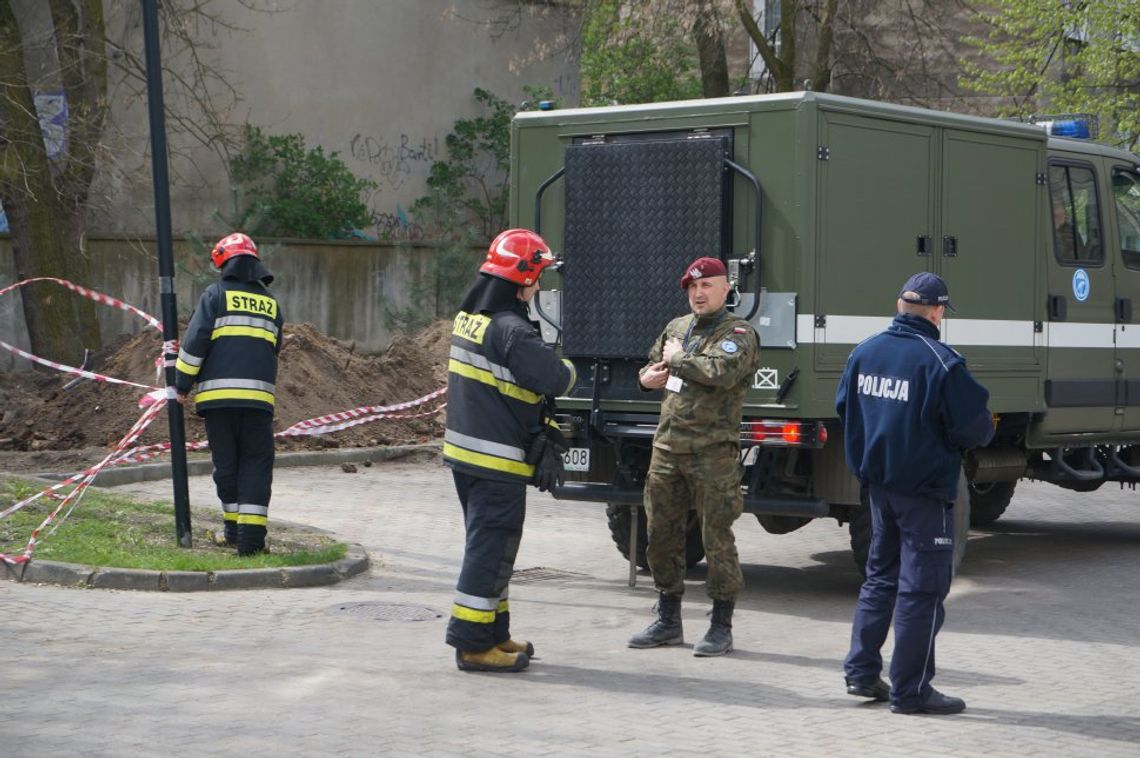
(492, 659)
(517, 646)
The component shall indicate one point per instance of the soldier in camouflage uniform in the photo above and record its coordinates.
(705, 362)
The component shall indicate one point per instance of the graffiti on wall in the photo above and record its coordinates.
(396, 227)
(393, 163)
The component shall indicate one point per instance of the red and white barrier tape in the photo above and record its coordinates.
(154, 402)
(72, 369)
(90, 294)
(367, 410)
(81, 481)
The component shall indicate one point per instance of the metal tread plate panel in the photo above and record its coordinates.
(636, 214)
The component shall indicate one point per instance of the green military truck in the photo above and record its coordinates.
(821, 206)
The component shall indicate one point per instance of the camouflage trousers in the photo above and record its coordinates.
(709, 483)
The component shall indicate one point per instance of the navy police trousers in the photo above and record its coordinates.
(908, 576)
(493, 513)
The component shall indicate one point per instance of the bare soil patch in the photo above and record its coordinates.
(44, 426)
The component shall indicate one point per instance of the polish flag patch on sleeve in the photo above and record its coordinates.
(739, 330)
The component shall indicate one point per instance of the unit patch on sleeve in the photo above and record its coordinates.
(729, 346)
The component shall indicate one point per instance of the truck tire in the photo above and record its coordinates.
(989, 501)
(618, 517)
(859, 528)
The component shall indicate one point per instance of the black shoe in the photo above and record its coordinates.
(935, 703)
(879, 691)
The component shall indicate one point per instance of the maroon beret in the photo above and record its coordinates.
(702, 267)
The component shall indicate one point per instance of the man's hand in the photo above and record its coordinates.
(654, 377)
(180, 397)
(672, 347)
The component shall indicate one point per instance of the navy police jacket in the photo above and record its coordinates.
(909, 408)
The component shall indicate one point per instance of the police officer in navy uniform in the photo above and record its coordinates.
(230, 351)
(909, 409)
(500, 437)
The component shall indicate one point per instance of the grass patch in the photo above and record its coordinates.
(114, 530)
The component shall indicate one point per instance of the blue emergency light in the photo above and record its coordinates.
(1075, 128)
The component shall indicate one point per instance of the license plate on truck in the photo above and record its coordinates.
(577, 459)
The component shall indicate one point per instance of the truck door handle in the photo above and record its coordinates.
(1057, 307)
(950, 246)
(922, 246)
(1123, 308)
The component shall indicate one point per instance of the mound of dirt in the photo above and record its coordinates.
(317, 375)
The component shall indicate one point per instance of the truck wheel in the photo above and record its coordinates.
(859, 527)
(618, 517)
(989, 501)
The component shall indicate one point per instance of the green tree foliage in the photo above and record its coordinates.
(289, 190)
(1071, 56)
(466, 204)
(634, 55)
(467, 191)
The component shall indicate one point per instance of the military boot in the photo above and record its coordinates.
(718, 639)
(491, 659)
(666, 630)
(517, 646)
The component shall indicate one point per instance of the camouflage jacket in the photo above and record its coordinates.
(720, 358)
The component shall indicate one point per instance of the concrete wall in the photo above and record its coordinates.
(342, 288)
(381, 82)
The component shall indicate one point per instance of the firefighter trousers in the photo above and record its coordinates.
(493, 514)
(242, 450)
(908, 576)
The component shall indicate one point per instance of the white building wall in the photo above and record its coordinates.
(380, 82)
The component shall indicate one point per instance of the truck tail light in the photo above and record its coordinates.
(783, 433)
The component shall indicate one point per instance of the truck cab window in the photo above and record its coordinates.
(1126, 194)
(1076, 215)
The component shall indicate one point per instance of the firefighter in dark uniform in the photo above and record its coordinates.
(909, 408)
(500, 437)
(230, 350)
(705, 362)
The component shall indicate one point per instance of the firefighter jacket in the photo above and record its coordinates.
(710, 379)
(909, 408)
(231, 345)
(498, 373)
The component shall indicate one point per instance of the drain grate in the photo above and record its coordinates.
(542, 574)
(385, 611)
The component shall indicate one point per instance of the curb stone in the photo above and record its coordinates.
(149, 472)
(284, 577)
(315, 575)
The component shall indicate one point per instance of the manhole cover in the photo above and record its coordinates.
(385, 611)
(541, 574)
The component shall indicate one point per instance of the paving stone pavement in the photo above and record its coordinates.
(1040, 640)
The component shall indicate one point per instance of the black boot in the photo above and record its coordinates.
(250, 539)
(718, 640)
(666, 630)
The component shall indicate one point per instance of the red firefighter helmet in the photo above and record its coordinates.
(517, 255)
(231, 246)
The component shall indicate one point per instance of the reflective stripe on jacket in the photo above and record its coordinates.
(498, 371)
(230, 347)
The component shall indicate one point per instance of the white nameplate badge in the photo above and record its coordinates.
(674, 384)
